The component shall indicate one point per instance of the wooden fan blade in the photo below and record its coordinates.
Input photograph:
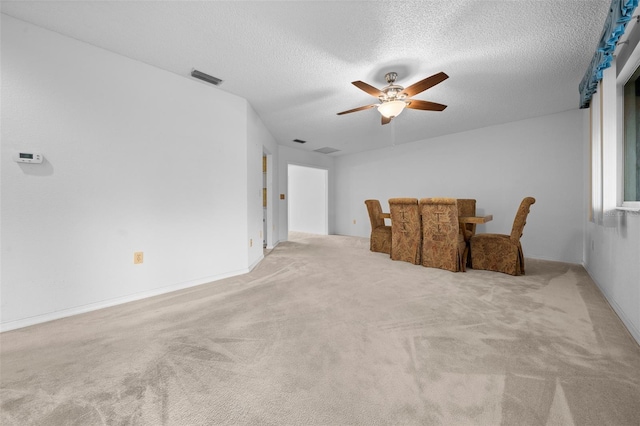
(386, 120)
(362, 108)
(367, 88)
(425, 105)
(423, 85)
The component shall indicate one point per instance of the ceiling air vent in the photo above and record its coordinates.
(326, 150)
(205, 77)
(299, 141)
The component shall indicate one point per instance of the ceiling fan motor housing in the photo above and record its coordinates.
(393, 91)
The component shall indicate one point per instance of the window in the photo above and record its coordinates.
(631, 164)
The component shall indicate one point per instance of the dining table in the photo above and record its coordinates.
(474, 221)
(469, 231)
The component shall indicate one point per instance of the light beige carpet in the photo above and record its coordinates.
(325, 332)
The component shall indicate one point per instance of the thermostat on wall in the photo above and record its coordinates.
(28, 157)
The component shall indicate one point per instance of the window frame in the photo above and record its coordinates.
(627, 63)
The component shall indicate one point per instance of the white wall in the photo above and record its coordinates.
(136, 159)
(498, 166)
(613, 261)
(301, 157)
(612, 250)
(308, 192)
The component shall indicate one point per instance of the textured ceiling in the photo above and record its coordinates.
(294, 60)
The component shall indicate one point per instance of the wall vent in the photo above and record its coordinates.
(205, 77)
(299, 141)
(326, 150)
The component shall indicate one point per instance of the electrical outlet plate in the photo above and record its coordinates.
(138, 257)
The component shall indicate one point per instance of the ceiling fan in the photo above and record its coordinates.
(394, 98)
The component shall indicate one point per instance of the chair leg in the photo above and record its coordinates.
(520, 265)
(468, 255)
(463, 261)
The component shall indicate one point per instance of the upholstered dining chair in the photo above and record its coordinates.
(443, 244)
(380, 233)
(502, 253)
(406, 235)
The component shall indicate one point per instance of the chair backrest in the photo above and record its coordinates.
(406, 229)
(375, 213)
(467, 207)
(440, 233)
(404, 213)
(521, 218)
(440, 216)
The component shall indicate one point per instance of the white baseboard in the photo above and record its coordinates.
(38, 319)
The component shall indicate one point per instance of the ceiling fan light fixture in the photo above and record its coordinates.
(391, 109)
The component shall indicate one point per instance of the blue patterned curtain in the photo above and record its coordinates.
(620, 13)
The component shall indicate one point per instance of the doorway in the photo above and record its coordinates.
(308, 209)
